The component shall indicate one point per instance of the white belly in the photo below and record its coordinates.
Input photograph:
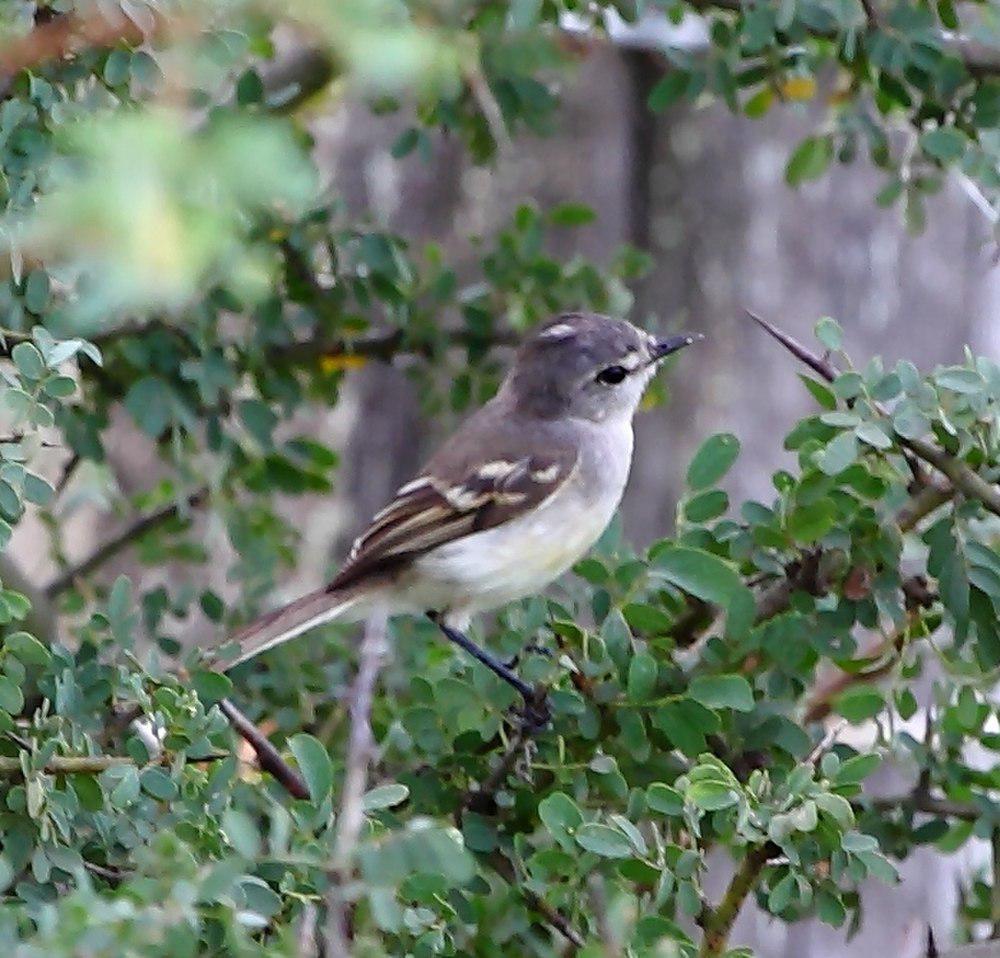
(521, 557)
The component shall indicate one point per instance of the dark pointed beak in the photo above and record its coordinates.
(667, 346)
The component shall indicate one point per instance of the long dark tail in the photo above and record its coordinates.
(285, 623)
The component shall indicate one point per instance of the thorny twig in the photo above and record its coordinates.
(962, 476)
(268, 756)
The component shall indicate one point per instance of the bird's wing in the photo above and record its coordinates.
(436, 508)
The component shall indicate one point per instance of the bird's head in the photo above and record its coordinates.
(587, 366)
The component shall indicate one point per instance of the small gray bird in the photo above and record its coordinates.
(516, 496)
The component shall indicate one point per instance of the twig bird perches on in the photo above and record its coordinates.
(517, 495)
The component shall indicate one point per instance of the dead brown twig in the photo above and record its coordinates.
(962, 476)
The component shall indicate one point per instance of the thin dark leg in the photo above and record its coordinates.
(534, 698)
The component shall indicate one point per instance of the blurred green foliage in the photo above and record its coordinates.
(172, 257)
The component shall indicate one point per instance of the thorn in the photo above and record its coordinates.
(814, 362)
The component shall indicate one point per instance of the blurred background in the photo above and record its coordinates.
(703, 192)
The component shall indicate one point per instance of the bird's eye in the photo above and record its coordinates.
(612, 375)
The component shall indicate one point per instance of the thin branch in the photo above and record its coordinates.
(554, 918)
(920, 800)
(268, 756)
(116, 544)
(68, 764)
(717, 922)
(90, 764)
(360, 749)
(963, 477)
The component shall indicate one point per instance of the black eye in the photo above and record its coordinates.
(612, 375)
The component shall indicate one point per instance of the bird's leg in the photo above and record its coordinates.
(536, 711)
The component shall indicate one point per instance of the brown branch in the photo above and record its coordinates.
(964, 478)
(360, 750)
(268, 757)
(717, 923)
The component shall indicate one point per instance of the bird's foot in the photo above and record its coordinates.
(515, 660)
(535, 714)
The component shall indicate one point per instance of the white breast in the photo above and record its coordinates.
(521, 557)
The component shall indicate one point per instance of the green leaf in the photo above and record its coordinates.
(561, 816)
(647, 619)
(11, 698)
(384, 796)
(829, 333)
(837, 807)
(27, 648)
(873, 434)
(211, 687)
(664, 799)
(820, 392)
(259, 420)
(808, 523)
(723, 691)
(781, 895)
(150, 403)
(960, 380)
(604, 841)
(706, 505)
(710, 796)
(909, 421)
(858, 842)
(315, 765)
(572, 214)
(241, 832)
(36, 291)
(37, 489)
(28, 360)
(945, 144)
(830, 908)
(668, 90)
(642, 674)
(856, 769)
(686, 723)
(126, 791)
(839, 453)
(158, 783)
(702, 574)
(120, 610)
(810, 160)
(859, 703)
(713, 460)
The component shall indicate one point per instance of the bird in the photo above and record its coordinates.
(516, 496)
